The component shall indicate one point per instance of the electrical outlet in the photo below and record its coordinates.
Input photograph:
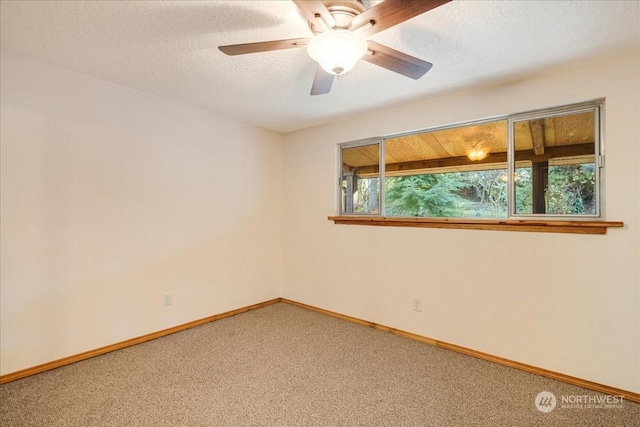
(417, 304)
(167, 300)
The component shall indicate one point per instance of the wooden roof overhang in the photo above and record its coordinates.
(562, 139)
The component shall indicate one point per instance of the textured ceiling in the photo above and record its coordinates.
(169, 48)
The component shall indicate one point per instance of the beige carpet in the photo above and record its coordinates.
(286, 366)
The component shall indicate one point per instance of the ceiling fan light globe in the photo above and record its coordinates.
(337, 51)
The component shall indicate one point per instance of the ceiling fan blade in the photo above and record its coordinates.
(241, 49)
(396, 61)
(322, 82)
(392, 12)
(316, 12)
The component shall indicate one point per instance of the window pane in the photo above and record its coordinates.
(360, 184)
(459, 172)
(555, 157)
(522, 184)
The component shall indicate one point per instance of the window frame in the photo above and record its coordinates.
(362, 143)
(597, 106)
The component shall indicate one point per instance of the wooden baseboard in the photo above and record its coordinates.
(628, 395)
(133, 341)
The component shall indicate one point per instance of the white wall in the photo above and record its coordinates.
(568, 303)
(111, 198)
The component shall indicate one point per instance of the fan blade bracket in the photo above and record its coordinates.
(321, 23)
(364, 27)
(316, 12)
(393, 12)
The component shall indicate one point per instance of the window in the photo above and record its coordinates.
(544, 163)
(360, 183)
(556, 169)
(453, 172)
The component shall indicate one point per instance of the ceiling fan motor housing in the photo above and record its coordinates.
(342, 11)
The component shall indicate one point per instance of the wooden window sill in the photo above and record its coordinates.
(540, 226)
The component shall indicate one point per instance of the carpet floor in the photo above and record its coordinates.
(283, 365)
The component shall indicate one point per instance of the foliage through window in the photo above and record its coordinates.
(543, 163)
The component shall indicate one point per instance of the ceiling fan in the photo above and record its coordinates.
(340, 28)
